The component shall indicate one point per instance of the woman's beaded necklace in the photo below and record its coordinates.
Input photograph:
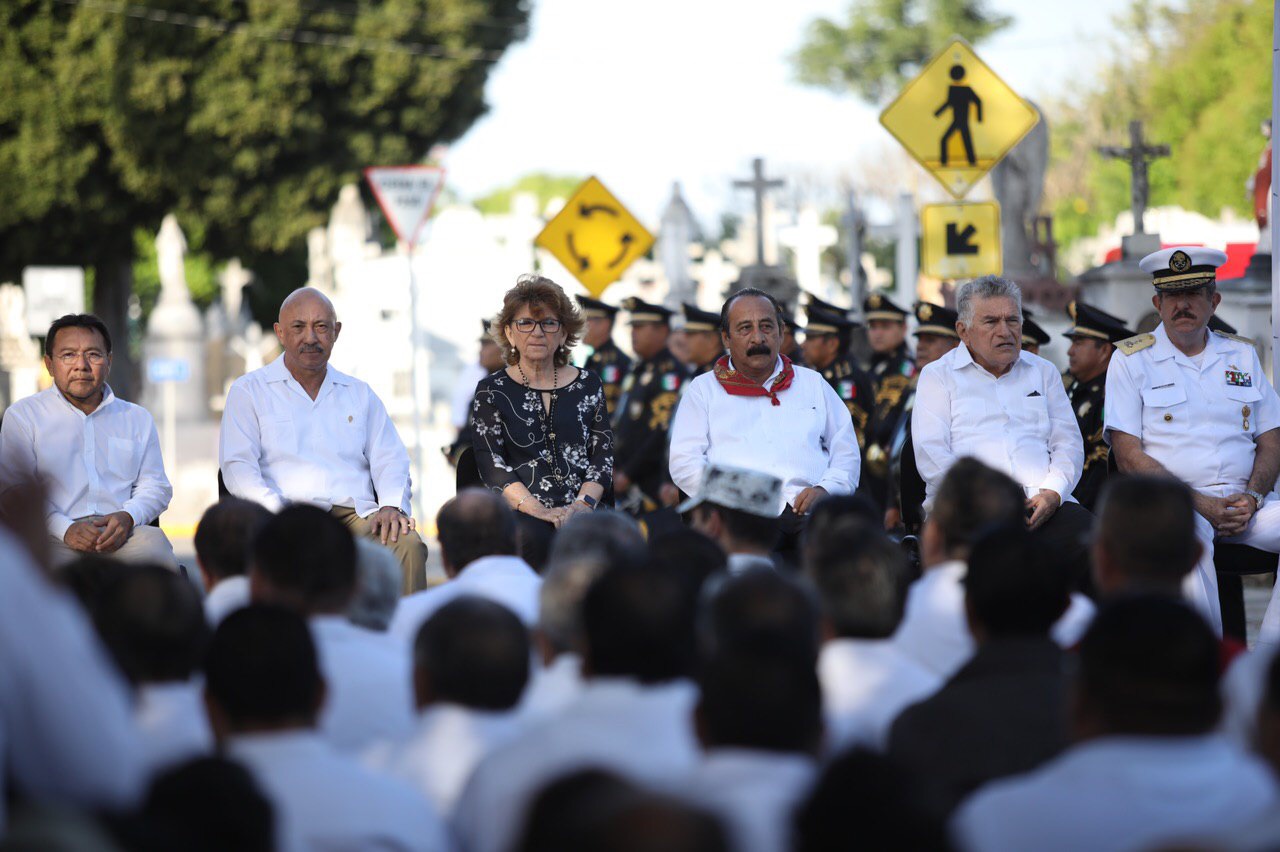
(548, 416)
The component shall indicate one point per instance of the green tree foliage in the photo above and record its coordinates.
(244, 117)
(1197, 74)
(544, 186)
(882, 44)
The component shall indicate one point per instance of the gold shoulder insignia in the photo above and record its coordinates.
(1136, 343)
(1235, 337)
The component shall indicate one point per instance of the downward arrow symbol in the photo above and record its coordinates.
(960, 242)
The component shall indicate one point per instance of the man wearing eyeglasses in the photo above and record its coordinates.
(299, 431)
(98, 454)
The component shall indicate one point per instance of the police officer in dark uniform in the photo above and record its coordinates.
(826, 341)
(649, 393)
(1093, 336)
(1033, 336)
(892, 369)
(606, 360)
(702, 335)
(935, 335)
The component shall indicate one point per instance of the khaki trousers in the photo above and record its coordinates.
(411, 550)
(144, 545)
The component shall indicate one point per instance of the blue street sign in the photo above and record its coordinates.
(167, 370)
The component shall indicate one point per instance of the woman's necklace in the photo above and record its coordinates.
(548, 416)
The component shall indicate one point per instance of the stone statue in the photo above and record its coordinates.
(1018, 181)
(171, 249)
(674, 236)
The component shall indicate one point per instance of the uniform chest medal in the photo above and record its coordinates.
(610, 373)
(1239, 379)
(1245, 412)
(848, 391)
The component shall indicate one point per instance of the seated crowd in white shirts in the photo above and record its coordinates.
(644, 690)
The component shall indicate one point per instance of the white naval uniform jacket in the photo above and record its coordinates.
(1192, 418)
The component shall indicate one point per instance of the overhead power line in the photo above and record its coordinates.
(297, 36)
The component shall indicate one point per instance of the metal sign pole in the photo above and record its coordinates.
(418, 472)
(170, 426)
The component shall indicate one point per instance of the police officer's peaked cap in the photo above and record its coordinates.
(594, 308)
(823, 321)
(1032, 334)
(814, 302)
(935, 319)
(878, 306)
(1088, 321)
(642, 311)
(789, 319)
(696, 319)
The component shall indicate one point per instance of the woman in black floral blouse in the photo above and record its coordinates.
(541, 432)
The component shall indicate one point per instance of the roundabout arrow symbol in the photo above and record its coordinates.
(584, 263)
(585, 210)
(626, 240)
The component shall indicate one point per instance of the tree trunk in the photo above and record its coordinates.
(113, 285)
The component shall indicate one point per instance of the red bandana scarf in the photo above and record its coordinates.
(737, 384)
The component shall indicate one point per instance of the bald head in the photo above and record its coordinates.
(474, 524)
(307, 329)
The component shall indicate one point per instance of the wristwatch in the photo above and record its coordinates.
(1257, 498)
(590, 501)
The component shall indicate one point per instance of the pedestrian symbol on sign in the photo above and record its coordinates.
(959, 98)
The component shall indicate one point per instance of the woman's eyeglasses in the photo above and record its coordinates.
(527, 325)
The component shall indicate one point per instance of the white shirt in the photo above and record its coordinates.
(1020, 424)
(1242, 688)
(552, 688)
(67, 734)
(370, 683)
(327, 802)
(507, 580)
(1189, 418)
(741, 563)
(172, 720)
(229, 595)
(1121, 794)
(93, 464)
(463, 392)
(449, 742)
(280, 446)
(644, 733)
(805, 440)
(866, 683)
(753, 792)
(935, 633)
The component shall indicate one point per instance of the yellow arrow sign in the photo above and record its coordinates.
(595, 237)
(961, 240)
(957, 118)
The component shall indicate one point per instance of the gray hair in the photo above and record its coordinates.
(587, 546)
(378, 580)
(986, 287)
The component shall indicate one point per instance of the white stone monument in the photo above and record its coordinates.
(675, 235)
(808, 239)
(19, 353)
(175, 333)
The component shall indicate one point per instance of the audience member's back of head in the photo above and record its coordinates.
(766, 701)
(305, 558)
(261, 671)
(759, 611)
(1146, 534)
(1012, 588)
(209, 805)
(611, 537)
(475, 524)
(595, 811)
(690, 555)
(1148, 665)
(378, 579)
(860, 575)
(743, 528)
(224, 537)
(87, 575)
(638, 623)
(472, 652)
(152, 621)
(971, 499)
(866, 795)
(838, 508)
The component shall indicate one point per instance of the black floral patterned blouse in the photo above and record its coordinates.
(512, 444)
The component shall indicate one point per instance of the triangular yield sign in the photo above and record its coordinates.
(406, 195)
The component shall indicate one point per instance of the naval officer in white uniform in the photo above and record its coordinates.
(1196, 404)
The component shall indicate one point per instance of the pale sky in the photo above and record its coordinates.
(692, 90)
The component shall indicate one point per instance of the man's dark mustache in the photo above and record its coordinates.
(310, 347)
(758, 350)
(1186, 314)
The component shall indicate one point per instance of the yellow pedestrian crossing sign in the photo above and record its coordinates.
(595, 237)
(961, 240)
(957, 118)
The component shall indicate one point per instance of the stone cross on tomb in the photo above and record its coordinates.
(807, 239)
(1138, 154)
(759, 185)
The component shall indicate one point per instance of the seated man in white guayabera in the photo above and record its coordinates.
(757, 410)
(989, 399)
(299, 431)
(98, 455)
